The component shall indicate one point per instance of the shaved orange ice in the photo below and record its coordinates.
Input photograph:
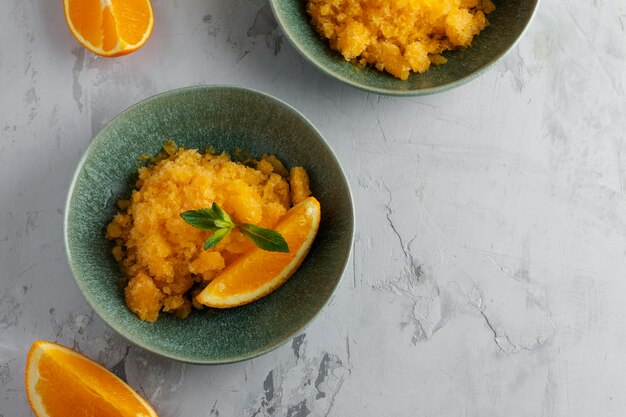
(399, 36)
(161, 255)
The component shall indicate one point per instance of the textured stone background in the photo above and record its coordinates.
(488, 275)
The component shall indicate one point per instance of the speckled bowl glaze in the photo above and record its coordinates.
(507, 24)
(225, 118)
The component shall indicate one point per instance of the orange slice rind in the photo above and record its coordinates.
(61, 382)
(257, 273)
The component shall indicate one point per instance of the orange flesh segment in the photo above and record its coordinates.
(68, 383)
(259, 272)
(131, 16)
(87, 16)
(109, 30)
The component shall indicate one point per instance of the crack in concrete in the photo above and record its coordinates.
(214, 411)
(503, 340)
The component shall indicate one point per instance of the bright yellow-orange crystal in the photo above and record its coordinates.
(399, 36)
(161, 254)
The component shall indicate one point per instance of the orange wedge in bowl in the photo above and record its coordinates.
(110, 27)
(258, 272)
(61, 383)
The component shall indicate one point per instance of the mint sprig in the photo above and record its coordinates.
(216, 220)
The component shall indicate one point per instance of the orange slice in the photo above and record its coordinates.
(61, 382)
(258, 272)
(110, 27)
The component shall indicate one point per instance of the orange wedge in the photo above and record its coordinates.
(258, 272)
(110, 27)
(61, 383)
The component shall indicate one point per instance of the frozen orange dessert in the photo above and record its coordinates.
(164, 256)
(399, 36)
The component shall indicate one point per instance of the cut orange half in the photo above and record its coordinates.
(61, 382)
(258, 272)
(110, 27)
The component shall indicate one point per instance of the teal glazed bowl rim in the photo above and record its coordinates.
(310, 57)
(155, 348)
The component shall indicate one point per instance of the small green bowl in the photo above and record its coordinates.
(228, 119)
(507, 24)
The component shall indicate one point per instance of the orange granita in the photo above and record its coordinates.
(399, 36)
(161, 254)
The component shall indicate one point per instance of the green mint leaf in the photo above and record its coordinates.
(221, 214)
(201, 219)
(223, 224)
(216, 220)
(216, 237)
(209, 219)
(265, 239)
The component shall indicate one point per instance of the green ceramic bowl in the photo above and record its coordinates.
(226, 118)
(507, 24)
